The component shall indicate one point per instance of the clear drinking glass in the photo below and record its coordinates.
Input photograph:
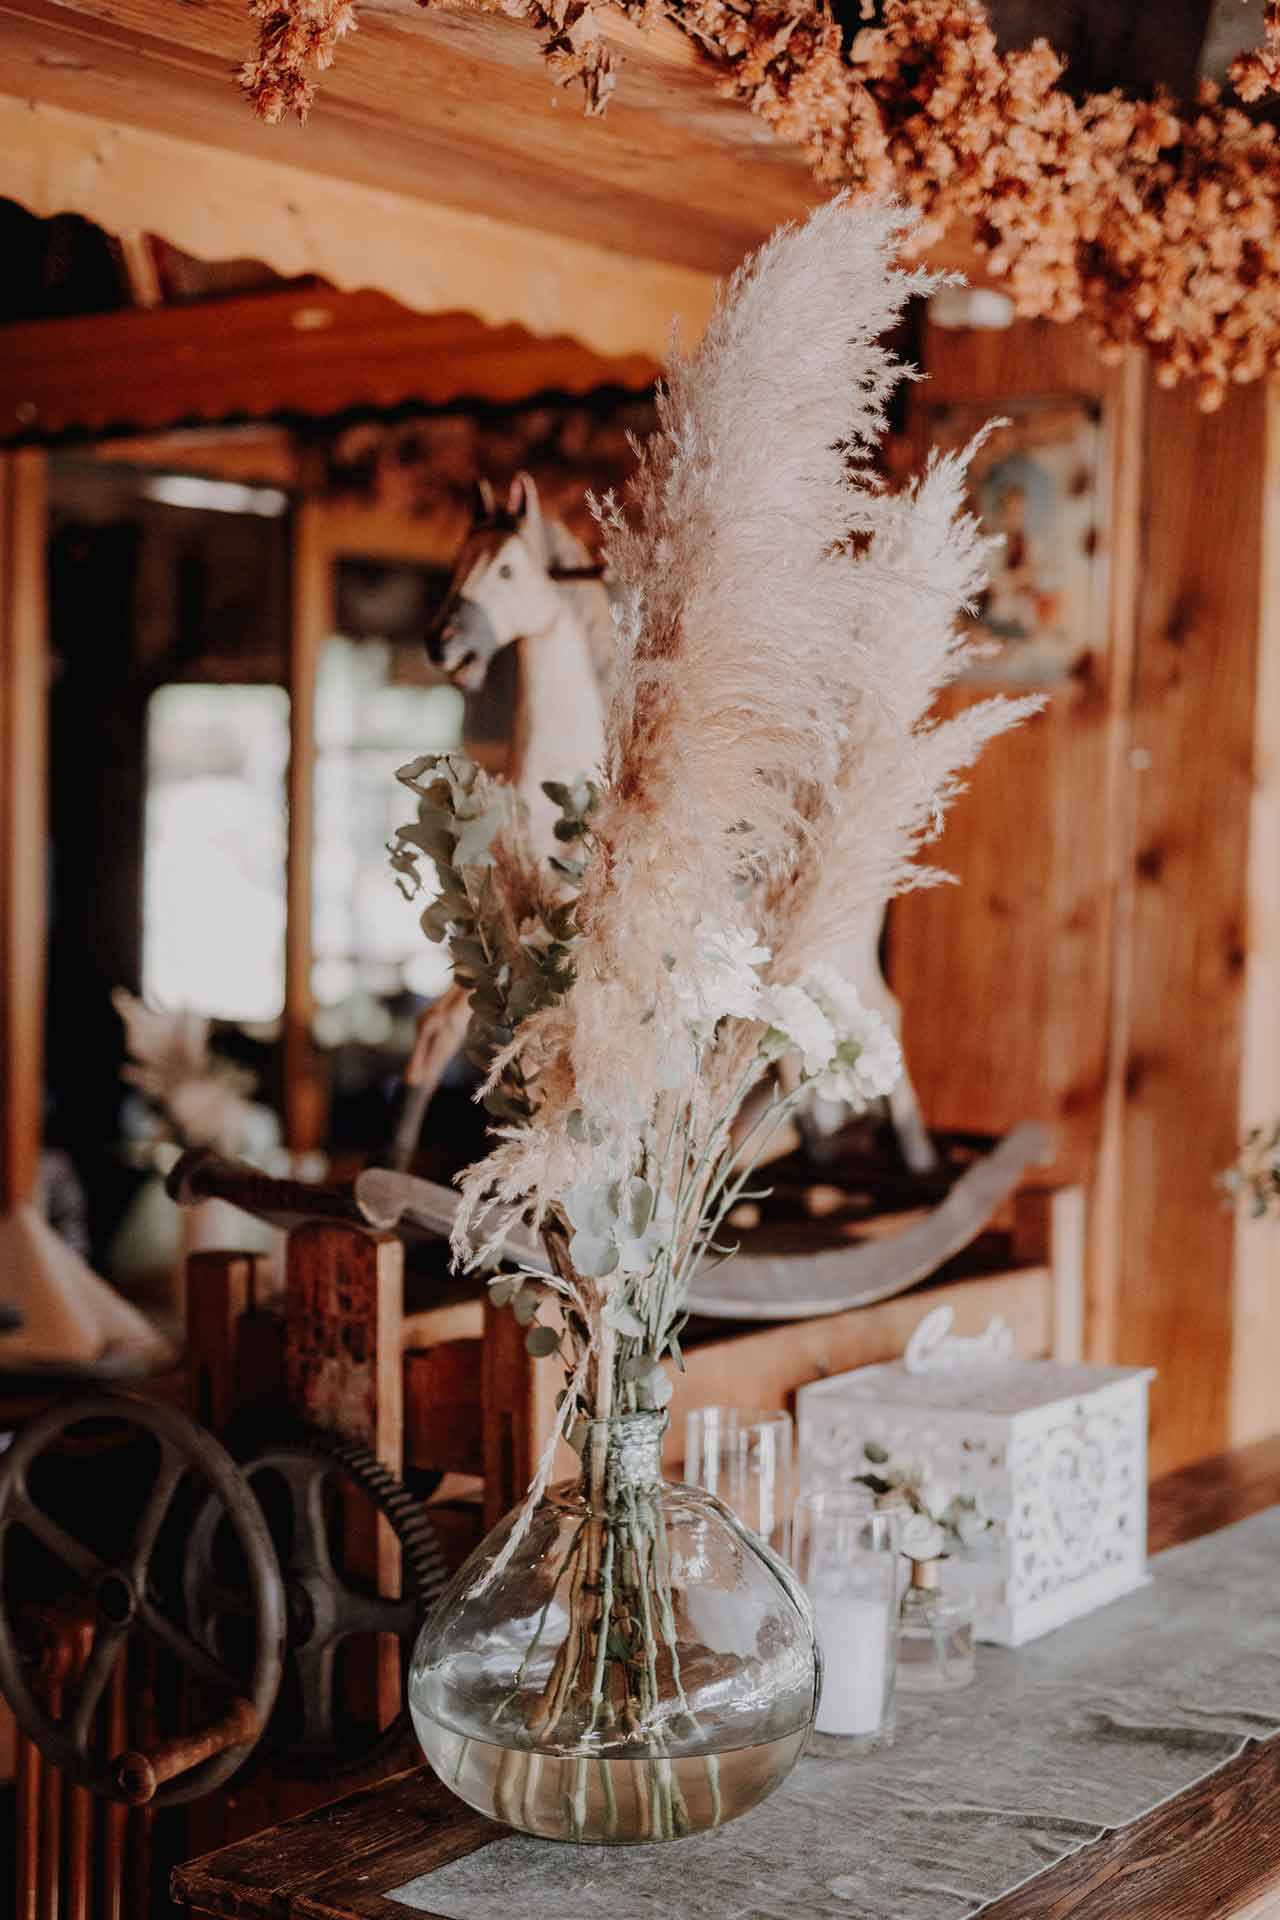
(710, 1448)
(761, 1492)
(846, 1555)
(747, 1459)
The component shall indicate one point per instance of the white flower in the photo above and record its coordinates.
(724, 982)
(918, 1479)
(868, 1059)
(797, 1014)
(971, 1525)
(921, 1538)
(838, 997)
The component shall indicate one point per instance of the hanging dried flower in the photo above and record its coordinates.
(293, 36)
(1160, 228)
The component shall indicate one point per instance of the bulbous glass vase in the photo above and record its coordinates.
(641, 1668)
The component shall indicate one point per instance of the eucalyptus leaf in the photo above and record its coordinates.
(473, 842)
(592, 1206)
(556, 790)
(658, 1386)
(636, 1254)
(636, 1204)
(435, 921)
(471, 955)
(594, 1255)
(503, 1290)
(540, 1342)
(525, 1307)
(623, 1319)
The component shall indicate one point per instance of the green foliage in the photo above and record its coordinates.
(461, 816)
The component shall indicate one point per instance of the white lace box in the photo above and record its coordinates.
(1056, 1454)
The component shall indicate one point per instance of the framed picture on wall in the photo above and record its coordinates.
(1036, 482)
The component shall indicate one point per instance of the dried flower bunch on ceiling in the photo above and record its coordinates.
(1156, 225)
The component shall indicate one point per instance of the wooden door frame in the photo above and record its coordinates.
(24, 807)
(324, 533)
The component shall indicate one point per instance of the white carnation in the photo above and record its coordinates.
(868, 1062)
(838, 997)
(797, 1014)
(724, 983)
(921, 1538)
(970, 1523)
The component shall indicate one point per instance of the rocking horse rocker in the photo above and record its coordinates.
(523, 580)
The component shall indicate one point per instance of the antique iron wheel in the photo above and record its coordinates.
(311, 1487)
(127, 1590)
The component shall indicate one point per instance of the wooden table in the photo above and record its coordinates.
(1213, 1853)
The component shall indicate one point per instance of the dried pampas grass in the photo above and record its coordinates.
(785, 626)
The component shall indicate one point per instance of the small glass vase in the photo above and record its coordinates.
(935, 1633)
(642, 1667)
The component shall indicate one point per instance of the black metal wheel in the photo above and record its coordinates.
(311, 1488)
(125, 1584)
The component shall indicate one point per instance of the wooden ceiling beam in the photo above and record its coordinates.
(267, 355)
(454, 108)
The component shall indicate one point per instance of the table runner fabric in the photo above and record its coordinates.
(1053, 1744)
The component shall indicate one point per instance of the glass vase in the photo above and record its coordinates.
(640, 1668)
(935, 1633)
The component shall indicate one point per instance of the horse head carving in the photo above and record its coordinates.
(503, 587)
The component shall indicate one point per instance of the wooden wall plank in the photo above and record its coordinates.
(1106, 1199)
(1006, 981)
(24, 776)
(1112, 962)
(1194, 744)
(304, 1091)
(1255, 1397)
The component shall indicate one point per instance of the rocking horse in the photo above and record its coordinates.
(523, 579)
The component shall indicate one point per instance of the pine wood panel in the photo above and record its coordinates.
(305, 1094)
(1256, 1295)
(1112, 962)
(1006, 980)
(312, 352)
(23, 810)
(1212, 1851)
(1194, 735)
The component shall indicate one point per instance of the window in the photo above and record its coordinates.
(375, 710)
(214, 850)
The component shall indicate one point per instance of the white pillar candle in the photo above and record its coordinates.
(853, 1633)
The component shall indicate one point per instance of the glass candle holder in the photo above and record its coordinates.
(846, 1555)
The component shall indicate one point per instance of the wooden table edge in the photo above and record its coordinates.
(1210, 1853)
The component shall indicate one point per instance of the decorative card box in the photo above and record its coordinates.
(1057, 1455)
